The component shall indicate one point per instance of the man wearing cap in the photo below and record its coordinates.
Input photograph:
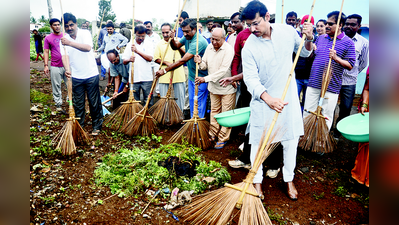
(57, 72)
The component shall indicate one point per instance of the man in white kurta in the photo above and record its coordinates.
(267, 61)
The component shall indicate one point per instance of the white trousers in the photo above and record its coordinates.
(289, 160)
(329, 104)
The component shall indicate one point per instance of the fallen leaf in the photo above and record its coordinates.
(45, 170)
(215, 170)
(48, 164)
(209, 179)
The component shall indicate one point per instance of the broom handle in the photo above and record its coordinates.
(282, 11)
(160, 65)
(112, 98)
(326, 82)
(195, 112)
(174, 28)
(131, 96)
(71, 110)
(269, 131)
(98, 34)
(168, 94)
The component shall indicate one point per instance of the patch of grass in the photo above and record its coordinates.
(340, 191)
(306, 177)
(320, 196)
(275, 217)
(39, 97)
(47, 200)
(130, 171)
(235, 153)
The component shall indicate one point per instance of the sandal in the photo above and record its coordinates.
(220, 145)
(95, 132)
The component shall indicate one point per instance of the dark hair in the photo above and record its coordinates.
(335, 14)
(355, 16)
(102, 25)
(53, 20)
(291, 14)
(234, 15)
(215, 25)
(123, 25)
(191, 22)
(110, 25)
(208, 21)
(147, 22)
(253, 7)
(140, 29)
(69, 17)
(166, 24)
(321, 20)
(114, 51)
(184, 15)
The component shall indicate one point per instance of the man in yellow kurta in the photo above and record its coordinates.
(179, 79)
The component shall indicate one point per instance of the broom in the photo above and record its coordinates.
(166, 111)
(282, 11)
(143, 123)
(196, 129)
(316, 133)
(71, 133)
(124, 113)
(217, 206)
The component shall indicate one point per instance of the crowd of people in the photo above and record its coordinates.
(247, 66)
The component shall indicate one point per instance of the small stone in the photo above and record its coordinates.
(305, 169)
(146, 216)
(61, 178)
(55, 218)
(320, 179)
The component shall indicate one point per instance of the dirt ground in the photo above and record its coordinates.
(64, 191)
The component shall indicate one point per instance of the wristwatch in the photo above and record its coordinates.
(164, 71)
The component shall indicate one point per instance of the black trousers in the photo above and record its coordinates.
(90, 86)
(272, 162)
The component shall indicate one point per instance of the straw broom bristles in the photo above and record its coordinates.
(216, 207)
(142, 123)
(166, 111)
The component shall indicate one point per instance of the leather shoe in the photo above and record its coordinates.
(291, 191)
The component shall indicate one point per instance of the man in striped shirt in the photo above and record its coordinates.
(349, 79)
(343, 57)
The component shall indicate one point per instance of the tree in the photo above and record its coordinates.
(32, 19)
(43, 20)
(105, 6)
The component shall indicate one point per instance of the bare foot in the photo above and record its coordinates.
(258, 187)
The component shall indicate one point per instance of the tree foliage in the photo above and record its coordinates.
(32, 19)
(43, 19)
(106, 8)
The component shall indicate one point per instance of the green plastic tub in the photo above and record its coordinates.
(355, 127)
(234, 118)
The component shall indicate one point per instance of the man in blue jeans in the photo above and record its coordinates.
(189, 27)
(82, 69)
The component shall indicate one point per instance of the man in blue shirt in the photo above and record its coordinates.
(189, 28)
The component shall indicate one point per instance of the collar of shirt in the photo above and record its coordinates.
(111, 34)
(221, 47)
(356, 37)
(340, 36)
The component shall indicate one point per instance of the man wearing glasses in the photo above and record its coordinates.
(343, 57)
(291, 18)
(82, 69)
(267, 61)
(349, 79)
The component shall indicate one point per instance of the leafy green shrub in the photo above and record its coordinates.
(39, 97)
(44, 29)
(131, 171)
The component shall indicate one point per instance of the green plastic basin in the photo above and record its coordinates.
(355, 127)
(234, 118)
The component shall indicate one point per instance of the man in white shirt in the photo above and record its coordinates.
(143, 52)
(154, 38)
(82, 69)
(349, 78)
